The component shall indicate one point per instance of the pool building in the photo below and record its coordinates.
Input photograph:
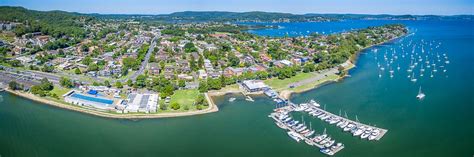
(89, 100)
(146, 103)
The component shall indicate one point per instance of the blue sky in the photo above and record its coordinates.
(419, 7)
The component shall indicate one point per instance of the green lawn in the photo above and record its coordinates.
(278, 84)
(60, 90)
(311, 85)
(7, 36)
(184, 97)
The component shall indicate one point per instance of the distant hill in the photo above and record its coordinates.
(393, 17)
(62, 18)
(220, 16)
(258, 16)
(55, 23)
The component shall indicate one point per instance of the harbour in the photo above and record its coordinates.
(299, 131)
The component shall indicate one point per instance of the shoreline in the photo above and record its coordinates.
(212, 108)
(352, 60)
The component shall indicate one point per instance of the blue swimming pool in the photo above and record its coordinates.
(93, 99)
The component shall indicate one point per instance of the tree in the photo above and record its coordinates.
(107, 83)
(203, 87)
(163, 106)
(214, 83)
(140, 81)
(118, 84)
(46, 85)
(189, 47)
(175, 106)
(129, 83)
(14, 85)
(87, 60)
(342, 72)
(192, 64)
(36, 89)
(47, 68)
(66, 82)
(92, 67)
(181, 83)
(77, 71)
(200, 61)
(234, 60)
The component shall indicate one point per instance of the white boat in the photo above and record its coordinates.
(304, 131)
(301, 129)
(231, 99)
(359, 131)
(280, 125)
(344, 125)
(374, 134)
(330, 143)
(349, 127)
(413, 79)
(309, 133)
(320, 138)
(420, 95)
(314, 103)
(294, 136)
(365, 135)
(326, 151)
(326, 140)
(340, 123)
(336, 146)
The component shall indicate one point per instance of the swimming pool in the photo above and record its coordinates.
(93, 99)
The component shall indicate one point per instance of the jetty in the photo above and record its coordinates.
(281, 114)
(345, 119)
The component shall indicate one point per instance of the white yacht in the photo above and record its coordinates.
(294, 136)
(314, 103)
(420, 95)
(413, 79)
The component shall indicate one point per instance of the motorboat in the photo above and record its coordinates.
(294, 136)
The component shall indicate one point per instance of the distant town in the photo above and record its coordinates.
(141, 68)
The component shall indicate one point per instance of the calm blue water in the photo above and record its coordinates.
(439, 125)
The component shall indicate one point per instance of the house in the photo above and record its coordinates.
(169, 68)
(230, 71)
(185, 77)
(154, 69)
(264, 57)
(25, 59)
(105, 72)
(202, 74)
(296, 61)
(254, 85)
(146, 103)
(169, 75)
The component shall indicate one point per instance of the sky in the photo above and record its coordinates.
(396, 7)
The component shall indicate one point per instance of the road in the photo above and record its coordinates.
(144, 63)
(321, 75)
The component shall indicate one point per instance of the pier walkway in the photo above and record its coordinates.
(306, 139)
(358, 124)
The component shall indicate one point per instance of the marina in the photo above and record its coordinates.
(299, 131)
